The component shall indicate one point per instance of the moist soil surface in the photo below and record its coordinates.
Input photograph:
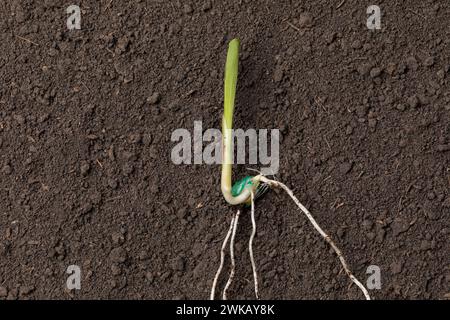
(86, 176)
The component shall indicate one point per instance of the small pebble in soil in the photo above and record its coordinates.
(25, 290)
(345, 167)
(402, 143)
(390, 68)
(381, 233)
(443, 147)
(85, 208)
(3, 292)
(441, 74)
(305, 20)
(364, 69)
(147, 139)
(178, 264)
(278, 74)
(118, 255)
(396, 267)
(371, 235)
(181, 213)
(375, 72)
(361, 111)
(154, 98)
(431, 195)
(112, 183)
(84, 168)
(187, 8)
(116, 269)
(426, 245)
(143, 255)
(356, 44)
(367, 224)
(428, 62)
(135, 138)
(19, 118)
(412, 64)
(399, 226)
(7, 169)
(149, 276)
(122, 45)
(401, 107)
(349, 130)
(206, 5)
(5, 247)
(111, 154)
(127, 169)
(413, 101)
(117, 238)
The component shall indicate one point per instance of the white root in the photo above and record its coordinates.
(232, 232)
(250, 245)
(233, 263)
(274, 183)
(222, 259)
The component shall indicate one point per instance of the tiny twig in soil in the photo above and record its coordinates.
(328, 144)
(99, 163)
(340, 4)
(27, 40)
(84, 85)
(108, 5)
(339, 205)
(318, 101)
(293, 26)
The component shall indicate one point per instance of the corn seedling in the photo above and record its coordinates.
(248, 189)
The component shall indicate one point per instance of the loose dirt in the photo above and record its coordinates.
(86, 118)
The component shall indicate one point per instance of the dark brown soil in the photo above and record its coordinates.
(85, 124)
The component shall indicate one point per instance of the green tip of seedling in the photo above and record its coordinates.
(231, 75)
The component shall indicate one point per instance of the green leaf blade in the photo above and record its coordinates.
(231, 75)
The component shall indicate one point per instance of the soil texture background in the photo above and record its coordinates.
(86, 118)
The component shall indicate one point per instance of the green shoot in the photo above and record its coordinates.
(239, 193)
